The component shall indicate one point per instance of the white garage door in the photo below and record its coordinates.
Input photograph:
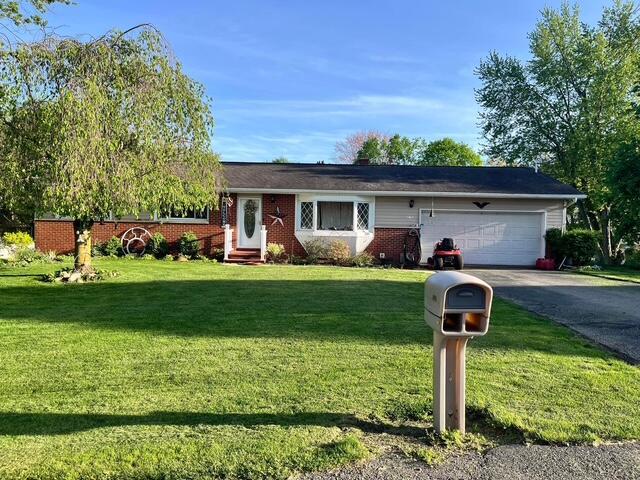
(486, 238)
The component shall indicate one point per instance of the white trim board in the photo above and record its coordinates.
(390, 193)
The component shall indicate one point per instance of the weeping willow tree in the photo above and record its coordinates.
(111, 126)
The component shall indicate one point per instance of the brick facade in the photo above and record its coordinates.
(58, 235)
(389, 241)
(277, 233)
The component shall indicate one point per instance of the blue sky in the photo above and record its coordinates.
(292, 78)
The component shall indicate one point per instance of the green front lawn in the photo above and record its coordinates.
(197, 370)
(615, 273)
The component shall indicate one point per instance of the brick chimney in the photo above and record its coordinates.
(362, 161)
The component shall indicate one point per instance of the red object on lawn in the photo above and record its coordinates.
(446, 254)
(545, 264)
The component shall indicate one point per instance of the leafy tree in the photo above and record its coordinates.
(374, 150)
(347, 149)
(568, 108)
(280, 160)
(625, 190)
(17, 11)
(448, 152)
(401, 150)
(107, 127)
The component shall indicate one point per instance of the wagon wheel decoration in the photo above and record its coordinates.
(135, 240)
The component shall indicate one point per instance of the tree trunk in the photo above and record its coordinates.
(583, 211)
(605, 228)
(83, 244)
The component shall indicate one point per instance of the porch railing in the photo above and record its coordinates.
(228, 241)
(263, 243)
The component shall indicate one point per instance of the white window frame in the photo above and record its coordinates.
(353, 199)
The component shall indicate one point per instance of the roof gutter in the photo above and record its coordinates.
(389, 193)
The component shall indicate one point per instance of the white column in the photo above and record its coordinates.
(228, 241)
(263, 242)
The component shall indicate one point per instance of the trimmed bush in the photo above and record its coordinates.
(339, 252)
(316, 249)
(17, 239)
(189, 245)
(158, 246)
(554, 243)
(580, 245)
(217, 254)
(275, 252)
(364, 259)
(112, 248)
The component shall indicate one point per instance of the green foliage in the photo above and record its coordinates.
(189, 245)
(217, 254)
(448, 152)
(316, 250)
(25, 256)
(16, 13)
(364, 259)
(624, 180)
(580, 245)
(112, 247)
(275, 253)
(17, 239)
(632, 259)
(554, 242)
(401, 150)
(431, 456)
(158, 246)
(339, 252)
(83, 119)
(569, 106)
(280, 160)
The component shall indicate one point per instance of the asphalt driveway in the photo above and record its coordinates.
(606, 312)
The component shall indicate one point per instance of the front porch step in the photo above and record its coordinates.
(244, 255)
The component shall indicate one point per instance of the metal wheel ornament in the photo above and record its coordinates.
(135, 240)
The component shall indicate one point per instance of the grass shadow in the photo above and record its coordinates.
(12, 423)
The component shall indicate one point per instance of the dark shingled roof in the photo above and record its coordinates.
(392, 178)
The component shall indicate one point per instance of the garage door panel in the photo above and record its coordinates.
(487, 238)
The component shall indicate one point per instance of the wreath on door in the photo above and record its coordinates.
(250, 209)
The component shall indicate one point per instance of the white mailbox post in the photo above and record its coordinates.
(457, 307)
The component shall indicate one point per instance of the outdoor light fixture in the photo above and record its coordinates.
(273, 198)
(411, 203)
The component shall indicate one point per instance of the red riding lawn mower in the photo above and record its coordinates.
(446, 254)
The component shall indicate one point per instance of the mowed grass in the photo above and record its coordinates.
(198, 370)
(616, 273)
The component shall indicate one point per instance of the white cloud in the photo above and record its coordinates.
(388, 105)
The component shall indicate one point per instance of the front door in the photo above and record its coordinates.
(249, 222)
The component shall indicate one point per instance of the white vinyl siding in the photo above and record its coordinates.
(394, 212)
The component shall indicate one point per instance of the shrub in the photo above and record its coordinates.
(632, 259)
(112, 248)
(217, 254)
(364, 259)
(275, 252)
(554, 243)
(339, 252)
(26, 256)
(580, 245)
(158, 246)
(316, 249)
(189, 245)
(17, 239)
